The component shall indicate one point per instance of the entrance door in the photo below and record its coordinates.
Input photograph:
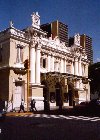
(18, 94)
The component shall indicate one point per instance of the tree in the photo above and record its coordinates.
(94, 75)
(26, 64)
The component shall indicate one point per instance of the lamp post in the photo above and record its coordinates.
(27, 84)
(26, 65)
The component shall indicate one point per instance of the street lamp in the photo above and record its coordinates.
(26, 66)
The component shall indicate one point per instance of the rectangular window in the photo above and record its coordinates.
(44, 62)
(21, 54)
(68, 69)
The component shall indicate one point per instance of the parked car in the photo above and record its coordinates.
(88, 108)
(94, 102)
(2, 114)
(2, 109)
(84, 103)
(98, 102)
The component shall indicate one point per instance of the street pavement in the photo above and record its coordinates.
(41, 126)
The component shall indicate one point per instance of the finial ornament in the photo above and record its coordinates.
(11, 23)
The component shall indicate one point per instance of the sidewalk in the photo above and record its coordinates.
(77, 110)
(17, 114)
(53, 111)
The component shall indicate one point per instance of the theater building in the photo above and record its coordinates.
(56, 73)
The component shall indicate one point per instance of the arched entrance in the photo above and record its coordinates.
(46, 95)
(71, 95)
(58, 91)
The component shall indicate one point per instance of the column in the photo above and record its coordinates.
(38, 64)
(83, 70)
(80, 68)
(86, 70)
(32, 64)
(49, 60)
(72, 68)
(76, 66)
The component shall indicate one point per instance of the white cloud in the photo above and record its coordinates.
(98, 60)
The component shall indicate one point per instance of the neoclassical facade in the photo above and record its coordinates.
(56, 73)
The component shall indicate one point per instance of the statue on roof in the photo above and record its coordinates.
(77, 39)
(36, 20)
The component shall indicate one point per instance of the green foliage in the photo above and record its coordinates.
(26, 64)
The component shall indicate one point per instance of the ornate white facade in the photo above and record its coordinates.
(56, 72)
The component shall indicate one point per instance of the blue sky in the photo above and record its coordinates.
(81, 16)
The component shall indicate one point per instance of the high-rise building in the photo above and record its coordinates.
(86, 43)
(56, 28)
(71, 41)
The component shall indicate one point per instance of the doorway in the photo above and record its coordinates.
(19, 93)
(58, 94)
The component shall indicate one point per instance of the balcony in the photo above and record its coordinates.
(19, 69)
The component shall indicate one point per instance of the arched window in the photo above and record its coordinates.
(19, 53)
(68, 68)
(43, 62)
